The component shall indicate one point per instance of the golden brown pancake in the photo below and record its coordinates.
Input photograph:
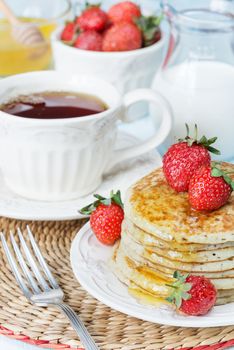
(128, 262)
(150, 241)
(162, 234)
(190, 252)
(157, 209)
(190, 263)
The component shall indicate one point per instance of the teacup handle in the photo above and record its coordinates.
(131, 98)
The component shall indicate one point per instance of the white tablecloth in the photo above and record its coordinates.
(9, 344)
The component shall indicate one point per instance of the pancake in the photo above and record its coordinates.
(161, 234)
(157, 209)
(145, 297)
(148, 240)
(152, 296)
(128, 272)
(169, 271)
(137, 270)
(226, 293)
(191, 263)
(134, 237)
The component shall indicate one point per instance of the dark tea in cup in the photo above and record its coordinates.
(54, 105)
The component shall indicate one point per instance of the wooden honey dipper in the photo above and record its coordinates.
(25, 33)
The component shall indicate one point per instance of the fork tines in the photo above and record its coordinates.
(33, 275)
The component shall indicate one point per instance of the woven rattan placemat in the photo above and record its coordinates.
(111, 329)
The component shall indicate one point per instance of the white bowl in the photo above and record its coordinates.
(126, 70)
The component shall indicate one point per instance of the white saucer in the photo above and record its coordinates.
(17, 207)
(89, 260)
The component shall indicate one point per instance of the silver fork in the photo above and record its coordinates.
(38, 290)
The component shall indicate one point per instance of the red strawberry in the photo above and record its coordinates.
(68, 32)
(192, 295)
(209, 188)
(89, 40)
(93, 18)
(106, 217)
(122, 36)
(125, 11)
(182, 160)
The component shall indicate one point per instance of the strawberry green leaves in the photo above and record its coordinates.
(192, 295)
(114, 198)
(217, 172)
(149, 27)
(207, 144)
(180, 289)
(202, 141)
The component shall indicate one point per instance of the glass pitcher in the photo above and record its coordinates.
(197, 76)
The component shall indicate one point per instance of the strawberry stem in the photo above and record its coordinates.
(187, 130)
(196, 132)
(203, 140)
(115, 198)
(89, 5)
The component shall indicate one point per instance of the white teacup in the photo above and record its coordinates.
(61, 159)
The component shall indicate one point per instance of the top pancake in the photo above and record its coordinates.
(157, 209)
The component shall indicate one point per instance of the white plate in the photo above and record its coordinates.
(89, 260)
(17, 207)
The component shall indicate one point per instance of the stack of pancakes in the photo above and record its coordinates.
(162, 234)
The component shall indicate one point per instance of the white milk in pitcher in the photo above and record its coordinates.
(203, 93)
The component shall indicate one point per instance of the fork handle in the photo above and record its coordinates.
(79, 327)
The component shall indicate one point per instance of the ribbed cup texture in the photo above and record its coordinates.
(56, 174)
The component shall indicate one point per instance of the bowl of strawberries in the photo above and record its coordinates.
(120, 45)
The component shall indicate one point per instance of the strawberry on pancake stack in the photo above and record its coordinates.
(177, 238)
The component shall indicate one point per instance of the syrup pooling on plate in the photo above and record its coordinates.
(54, 105)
